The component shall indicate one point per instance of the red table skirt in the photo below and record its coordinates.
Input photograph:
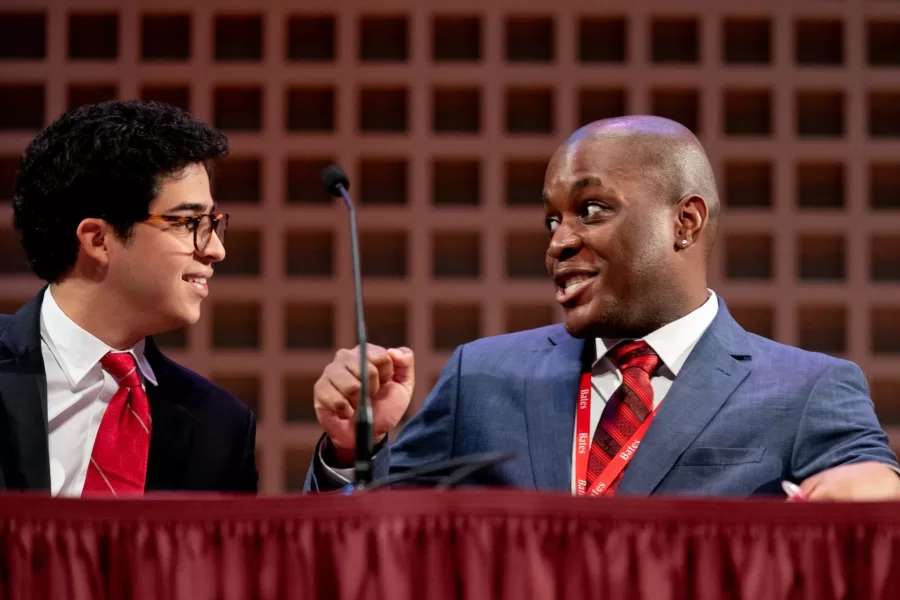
(465, 544)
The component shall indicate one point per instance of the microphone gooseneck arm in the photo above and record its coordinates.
(363, 466)
(446, 474)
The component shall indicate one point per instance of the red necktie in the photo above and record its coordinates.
(119, 460)
(626, 410)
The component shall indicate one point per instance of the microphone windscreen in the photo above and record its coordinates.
(332, 176)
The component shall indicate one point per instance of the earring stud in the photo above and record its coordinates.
(684, 242)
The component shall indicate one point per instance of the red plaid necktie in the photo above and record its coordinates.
(119, 460)
(626, 410)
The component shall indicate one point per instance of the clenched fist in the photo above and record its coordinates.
(336, 394)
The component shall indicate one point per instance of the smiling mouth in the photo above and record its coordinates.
(198, 283)
(572, 286)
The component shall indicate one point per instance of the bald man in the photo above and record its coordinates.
(649, 386)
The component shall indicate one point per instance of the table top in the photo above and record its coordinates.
(427, 503)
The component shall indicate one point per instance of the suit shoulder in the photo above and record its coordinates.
(541, 335)
(5, 321)
(781, 357)
(517, 342)
(204, 393)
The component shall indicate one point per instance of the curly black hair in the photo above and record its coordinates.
(104, 161)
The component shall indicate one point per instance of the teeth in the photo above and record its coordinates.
(196, 280)
(573, 281)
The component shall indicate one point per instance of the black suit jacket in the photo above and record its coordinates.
(203, 438)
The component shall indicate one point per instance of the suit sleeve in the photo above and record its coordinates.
(838, 425)
(427, 437)
(247, 476)
(324, 477)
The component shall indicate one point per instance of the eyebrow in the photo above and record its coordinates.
(193, 207)
(578, 186)
(587, 182)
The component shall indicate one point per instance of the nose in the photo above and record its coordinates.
(564, 243)
(215, 250)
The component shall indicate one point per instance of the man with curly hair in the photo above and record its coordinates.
(113, 206)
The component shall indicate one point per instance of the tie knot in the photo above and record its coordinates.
(636, 354)
(122, 367)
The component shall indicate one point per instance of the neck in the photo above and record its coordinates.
(696, 297)
(666, 311)
(692, 298)
(101, 314)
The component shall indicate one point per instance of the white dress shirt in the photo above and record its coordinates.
(78, 392)
(672, 343)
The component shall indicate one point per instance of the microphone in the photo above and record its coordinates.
(442, 474)
(336, 183)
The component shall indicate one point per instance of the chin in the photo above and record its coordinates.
(189, 317)
(578, 322)
(181, 316)
(597, 319)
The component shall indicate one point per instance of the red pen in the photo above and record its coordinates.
(793, 491)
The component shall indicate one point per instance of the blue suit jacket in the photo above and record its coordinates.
(743, 414)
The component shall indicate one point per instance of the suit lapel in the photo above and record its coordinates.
(706, 381)
(172, 428)
(551, 387)
(24, 439)
(24, 442)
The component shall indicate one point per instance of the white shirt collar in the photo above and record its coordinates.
(673, 342)
(77, 351)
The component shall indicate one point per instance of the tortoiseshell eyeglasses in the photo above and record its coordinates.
(203, 226)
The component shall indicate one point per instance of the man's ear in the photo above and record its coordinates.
(94, 236)
(690, 221)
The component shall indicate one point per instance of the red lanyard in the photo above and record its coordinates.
(583, 445)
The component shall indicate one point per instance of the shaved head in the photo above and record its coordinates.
(631, 207)
(666, 152)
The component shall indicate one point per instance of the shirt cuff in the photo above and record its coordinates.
(336, 475)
